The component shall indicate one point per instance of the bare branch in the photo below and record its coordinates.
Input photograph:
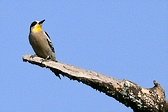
(130, 94)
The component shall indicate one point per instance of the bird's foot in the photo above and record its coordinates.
(32, 56)
(46, 59)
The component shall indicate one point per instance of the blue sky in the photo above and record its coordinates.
(122, 39)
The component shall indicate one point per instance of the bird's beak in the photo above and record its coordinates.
(41, 22)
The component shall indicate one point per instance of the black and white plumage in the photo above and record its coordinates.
(40, 41)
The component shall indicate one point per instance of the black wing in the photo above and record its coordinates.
(49, 42)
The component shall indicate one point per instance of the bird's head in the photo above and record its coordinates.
(36, 26)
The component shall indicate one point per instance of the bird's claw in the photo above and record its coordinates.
(32, 56)
(46, 59)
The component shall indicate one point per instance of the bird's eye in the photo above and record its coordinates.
(33, 23)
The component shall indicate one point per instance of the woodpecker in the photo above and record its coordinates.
(40, 41)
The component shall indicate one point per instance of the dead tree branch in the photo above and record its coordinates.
(130, 94)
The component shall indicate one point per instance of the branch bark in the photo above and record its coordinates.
(129, 93)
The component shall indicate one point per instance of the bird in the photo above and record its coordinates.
(41, 42)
